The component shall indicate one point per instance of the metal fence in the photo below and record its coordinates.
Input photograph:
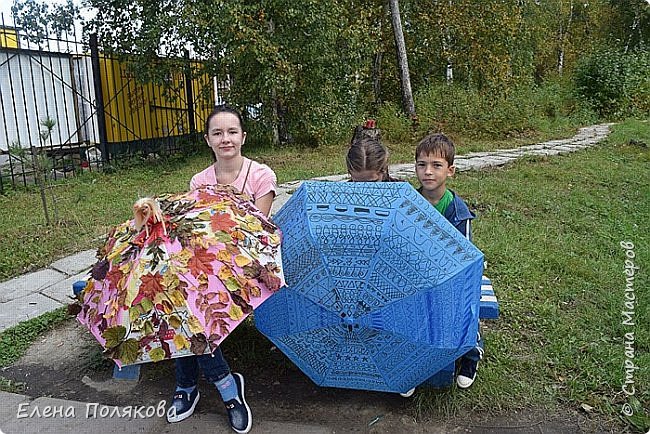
(66, 107)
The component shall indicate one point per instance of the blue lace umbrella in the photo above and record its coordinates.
(382, 291)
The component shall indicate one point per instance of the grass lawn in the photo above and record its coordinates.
(551, 230)
(89, 205)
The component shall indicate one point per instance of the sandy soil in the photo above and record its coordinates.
(67, 363)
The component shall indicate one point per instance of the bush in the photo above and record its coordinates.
(615, 84)
(520, 110)
(394, 124)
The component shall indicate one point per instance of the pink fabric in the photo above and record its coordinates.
(261, 179)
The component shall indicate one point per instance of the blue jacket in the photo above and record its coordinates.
(459, 215)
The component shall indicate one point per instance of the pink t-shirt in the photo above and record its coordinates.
(259, 179)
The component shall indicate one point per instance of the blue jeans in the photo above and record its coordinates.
(214, 368)
(476, 353)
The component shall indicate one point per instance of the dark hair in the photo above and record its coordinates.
(367, 154)
(223, 108)
(437, 144)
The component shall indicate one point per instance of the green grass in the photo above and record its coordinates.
(16, 340)
(550, 229)
(90, 204)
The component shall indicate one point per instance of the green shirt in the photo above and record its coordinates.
(444, 202)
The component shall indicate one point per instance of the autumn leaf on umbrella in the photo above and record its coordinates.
(198, 343)
(222, 222)
(206, 195)
(114, 276)
(201, 262)
(269, 279)
(194, 324)
(151, 284)
(184, 289)
(180, 342)
(100, 269)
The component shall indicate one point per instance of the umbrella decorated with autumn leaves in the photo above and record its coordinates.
(180, 276)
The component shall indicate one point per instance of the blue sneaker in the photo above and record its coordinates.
(182, 405)
(239, 413)
(467, 373)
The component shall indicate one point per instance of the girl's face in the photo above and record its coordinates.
(366, 176)
(225, 135)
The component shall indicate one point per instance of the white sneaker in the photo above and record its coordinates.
(467, 373)
(408, 393)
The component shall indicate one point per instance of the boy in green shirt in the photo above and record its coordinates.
(434, 163)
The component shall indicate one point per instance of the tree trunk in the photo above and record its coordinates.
(562, 38)
(376, 78)
(407, 94)
(276, 118)
(446, 47)
(275, 124)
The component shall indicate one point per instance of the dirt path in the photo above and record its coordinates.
(67, 363)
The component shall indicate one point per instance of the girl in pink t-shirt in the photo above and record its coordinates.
(224, 133)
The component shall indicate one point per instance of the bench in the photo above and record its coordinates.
(489, 309)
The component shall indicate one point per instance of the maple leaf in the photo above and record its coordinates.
(150, 285)
(222, 222)
(114, 276)
(205, 195)
(201, 262)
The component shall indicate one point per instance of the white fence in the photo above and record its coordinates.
(35, 86)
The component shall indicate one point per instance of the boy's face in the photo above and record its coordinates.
(432, 171)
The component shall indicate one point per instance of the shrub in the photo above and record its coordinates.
(394, 124)
(518, 111)
(615, 84)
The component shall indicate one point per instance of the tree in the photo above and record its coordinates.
(402, 61)
(40, 20)
(304, 62)
(38, 162)
(629, 24)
